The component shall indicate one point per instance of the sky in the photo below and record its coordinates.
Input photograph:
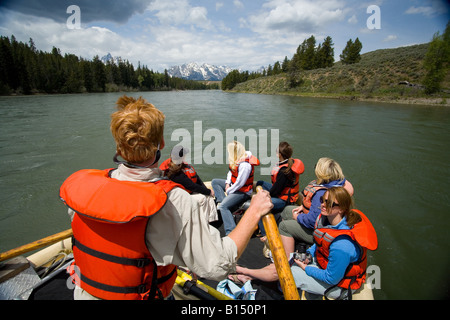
(241, 34)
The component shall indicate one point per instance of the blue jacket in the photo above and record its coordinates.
(308, 220)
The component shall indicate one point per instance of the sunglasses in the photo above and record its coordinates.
(322, 200)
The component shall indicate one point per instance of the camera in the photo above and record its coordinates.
(302, 256)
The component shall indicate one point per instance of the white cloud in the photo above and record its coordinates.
(158, 46)
(219, 5)
(353, 20)
(180, 12)
(435, 7)
(46, 33)
(390, 38)
(238, 4)
(297, 16)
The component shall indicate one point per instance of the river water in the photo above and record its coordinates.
(396, 156)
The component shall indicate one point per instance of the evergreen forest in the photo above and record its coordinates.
(26, 70)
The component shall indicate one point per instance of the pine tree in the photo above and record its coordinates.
(437, 61)
(351, 53)
(325, 54)
(285, 64)
(99, 74)
(310, 53)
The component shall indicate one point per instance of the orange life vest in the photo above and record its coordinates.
(109, 230)
(188, 170)
(235, 173)
(313, 187)
(290, 194)
(363, 233)
(308, 193)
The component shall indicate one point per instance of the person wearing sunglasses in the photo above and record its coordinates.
(298, 221)
(297, 227)
(335, 266)
(338, 258)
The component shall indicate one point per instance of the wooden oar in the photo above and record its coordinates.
(36, 245)
(287, 282)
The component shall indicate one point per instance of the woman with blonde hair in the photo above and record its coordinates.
(239, 183)
(298, 221)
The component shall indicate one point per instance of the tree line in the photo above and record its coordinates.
(309, 56)
(26, 70)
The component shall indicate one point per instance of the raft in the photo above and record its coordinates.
(42, 275)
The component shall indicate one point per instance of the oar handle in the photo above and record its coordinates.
(287, 282)
(35, 245)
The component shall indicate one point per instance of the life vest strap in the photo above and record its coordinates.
(138, 263)
(141, 289)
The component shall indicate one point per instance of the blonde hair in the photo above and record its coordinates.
(341, 196)
(137, 128)
(328, 170)
(235, 152)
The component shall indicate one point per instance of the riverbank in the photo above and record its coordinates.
(443, 100)
(432, 101)
(387, 75)
(395, 98)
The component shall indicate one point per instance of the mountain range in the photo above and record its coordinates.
(187, 71)
(194, 71)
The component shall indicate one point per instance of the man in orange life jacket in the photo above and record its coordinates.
(132, 227)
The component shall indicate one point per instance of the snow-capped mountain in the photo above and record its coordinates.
(109, 57)
(193, 71)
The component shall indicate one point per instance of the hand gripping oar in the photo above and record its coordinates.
(287, 282)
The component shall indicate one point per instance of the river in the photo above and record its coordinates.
(396, 156)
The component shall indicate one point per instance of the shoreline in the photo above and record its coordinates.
(432, 101)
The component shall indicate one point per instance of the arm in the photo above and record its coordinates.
(245, 169)
(259, 207)
(279, 185)
(206, 190)
(179, 234)
(341, 253)
(184, 180)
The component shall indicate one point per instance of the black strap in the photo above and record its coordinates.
(141, 289)
(139, 263)
(156, 281)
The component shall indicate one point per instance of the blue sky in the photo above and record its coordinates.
(245, 34)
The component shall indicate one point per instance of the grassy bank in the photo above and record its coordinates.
(388, 75)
